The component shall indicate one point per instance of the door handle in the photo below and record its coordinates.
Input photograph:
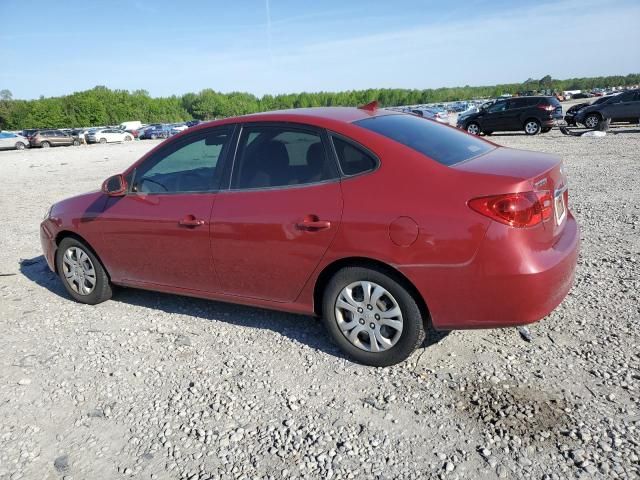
(190, 221)
(312, 223)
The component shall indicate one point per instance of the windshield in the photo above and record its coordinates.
(443, 144)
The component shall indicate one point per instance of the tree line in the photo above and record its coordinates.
(102, 106)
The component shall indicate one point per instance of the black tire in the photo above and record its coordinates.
(76, 143)
(101, 291)
(473, 128)
(413, 329)
(20, 146)
(45, 144)
(153, 136)
(592, 121)
(103, 140)
(532, 127)
(546, 129)
(128, 138)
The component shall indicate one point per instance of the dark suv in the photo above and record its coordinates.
(52, 138)
(620, 108)
(531, 114)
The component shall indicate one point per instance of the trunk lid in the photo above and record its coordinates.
(506, 170)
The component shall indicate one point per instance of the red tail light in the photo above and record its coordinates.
(520, 210)
(548, 108)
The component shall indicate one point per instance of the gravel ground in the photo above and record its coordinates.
(151, 385)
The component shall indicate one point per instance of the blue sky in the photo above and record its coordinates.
(283, 46)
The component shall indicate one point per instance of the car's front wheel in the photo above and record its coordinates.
(592, 120)
(103, 140)
(473, 128)
(81, 272)
(19, 146)
(372, 316)
(532, 127)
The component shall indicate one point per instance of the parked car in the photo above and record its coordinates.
(155, 131)
(531, 114)
(132, 125)
(52, 138)
(571, 113)
(441, 116)
(582, 95)
(624, 107)
(12, 141)
(109, 135)
(276, 210)
(192, 123)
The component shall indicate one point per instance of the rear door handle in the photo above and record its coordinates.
(191, 221)
(312, 223)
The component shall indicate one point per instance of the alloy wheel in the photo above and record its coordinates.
(531, 128)
(79, 271)
(591, 121)
(369, 316)
(473, 129)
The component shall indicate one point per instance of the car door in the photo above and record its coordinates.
(493, 119)
(5, 141)
(619, 108)
(158, 234)
(512, 117)
(282, 210)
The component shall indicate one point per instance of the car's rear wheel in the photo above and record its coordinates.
(473, 128)
(372, 316)
(19, 146)
(592, 120)
(532, 127)
(103, 140)
(45, 144)
(81, 272)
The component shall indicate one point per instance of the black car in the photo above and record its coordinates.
(570, 115)
(581, 95)
(624, 107)
(531, 114)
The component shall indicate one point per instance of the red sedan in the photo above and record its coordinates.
(378, 221)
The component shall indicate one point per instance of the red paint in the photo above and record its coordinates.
(267, 248)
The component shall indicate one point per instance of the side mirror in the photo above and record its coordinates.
(115, 186)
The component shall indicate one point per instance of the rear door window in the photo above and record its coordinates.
(441, 143)
(274, 156)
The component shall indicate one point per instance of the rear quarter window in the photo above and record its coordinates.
(443, 144)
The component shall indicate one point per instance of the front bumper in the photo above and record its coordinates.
(48, 243)
(504, 285)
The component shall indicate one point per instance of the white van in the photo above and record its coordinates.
(135, 125)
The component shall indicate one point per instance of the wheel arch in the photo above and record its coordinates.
(332, 268)
(62, 234)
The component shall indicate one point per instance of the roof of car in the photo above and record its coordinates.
(343, 114)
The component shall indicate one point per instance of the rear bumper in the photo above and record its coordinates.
(506, 284)
(48, 243)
